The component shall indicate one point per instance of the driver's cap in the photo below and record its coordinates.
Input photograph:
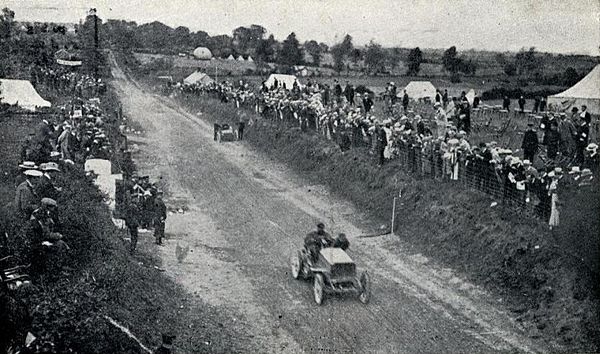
(320, 225)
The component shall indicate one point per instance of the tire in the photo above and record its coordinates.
(219, 137)
(296, 263)
(365, 288)
(318, 289)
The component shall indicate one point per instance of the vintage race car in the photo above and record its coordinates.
(333, 272)
(224, 132)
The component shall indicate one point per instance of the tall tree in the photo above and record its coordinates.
(450, 60)
(290, 52)
(246, 39)
(7, 21)
(346, 46)
(375, 57)
(314, 49)
(415, 58)
(338, 58)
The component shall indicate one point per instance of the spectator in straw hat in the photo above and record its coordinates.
(26, 198)
(46, 186)
(591, 159)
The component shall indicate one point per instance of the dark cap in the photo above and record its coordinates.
(320, 225)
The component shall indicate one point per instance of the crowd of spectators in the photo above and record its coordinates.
(432, 138)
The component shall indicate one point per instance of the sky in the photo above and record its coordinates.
(559, 26)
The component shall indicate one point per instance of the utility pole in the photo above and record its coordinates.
(92, 12)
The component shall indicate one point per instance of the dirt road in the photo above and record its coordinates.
(247, 215)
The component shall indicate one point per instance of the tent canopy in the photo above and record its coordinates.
(202, 53)
(21, 93)
(585, 92)
(419, 90)
(288, 80)
(250, 59)
(230, 57)
(198, 77)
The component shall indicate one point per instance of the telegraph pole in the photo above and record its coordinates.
(92, 12)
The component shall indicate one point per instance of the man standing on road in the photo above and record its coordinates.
(405, 101)
(521, 104)
(132, 221)
(160, 215)
(241, 125)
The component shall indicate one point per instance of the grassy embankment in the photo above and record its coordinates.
(68, 307)
(548, 285)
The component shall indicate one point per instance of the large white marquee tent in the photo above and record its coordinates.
(585, 92)
(21, 93)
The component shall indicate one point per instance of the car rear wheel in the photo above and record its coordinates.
(318, 288)
(296, 262)
(365, 288)
(219, 137)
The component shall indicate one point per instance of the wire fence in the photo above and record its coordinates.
(512, 188)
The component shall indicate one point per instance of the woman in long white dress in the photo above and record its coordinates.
(553, 192)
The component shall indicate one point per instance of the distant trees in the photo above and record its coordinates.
(246, 39)
(375, 57)
(449, 60)
(265, 50)
(290, 52)
(415, 58)
(453, 64)
(571, 76)
(314, 49)
(7, 19)
(341, 52)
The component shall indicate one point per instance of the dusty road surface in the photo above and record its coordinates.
(247, 214)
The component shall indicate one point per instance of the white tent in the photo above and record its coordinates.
(230, 57)
(202, 53)
(250, 59)
(417, 90)
(198, 77)
(240, 58)
(288, 80)
(585, 92)
(21, 93)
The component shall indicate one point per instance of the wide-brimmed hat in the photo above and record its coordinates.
(586, 172)
(574, 170)
(28, 165)
(33, 173)
(48, 202)
(49, 166)
(592, 147)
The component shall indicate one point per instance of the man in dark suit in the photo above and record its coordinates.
(160, 216)
(530, 143)
(405, 100)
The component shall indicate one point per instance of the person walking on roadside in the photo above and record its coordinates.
(132, 221)
(241, 125)
(160, 216)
